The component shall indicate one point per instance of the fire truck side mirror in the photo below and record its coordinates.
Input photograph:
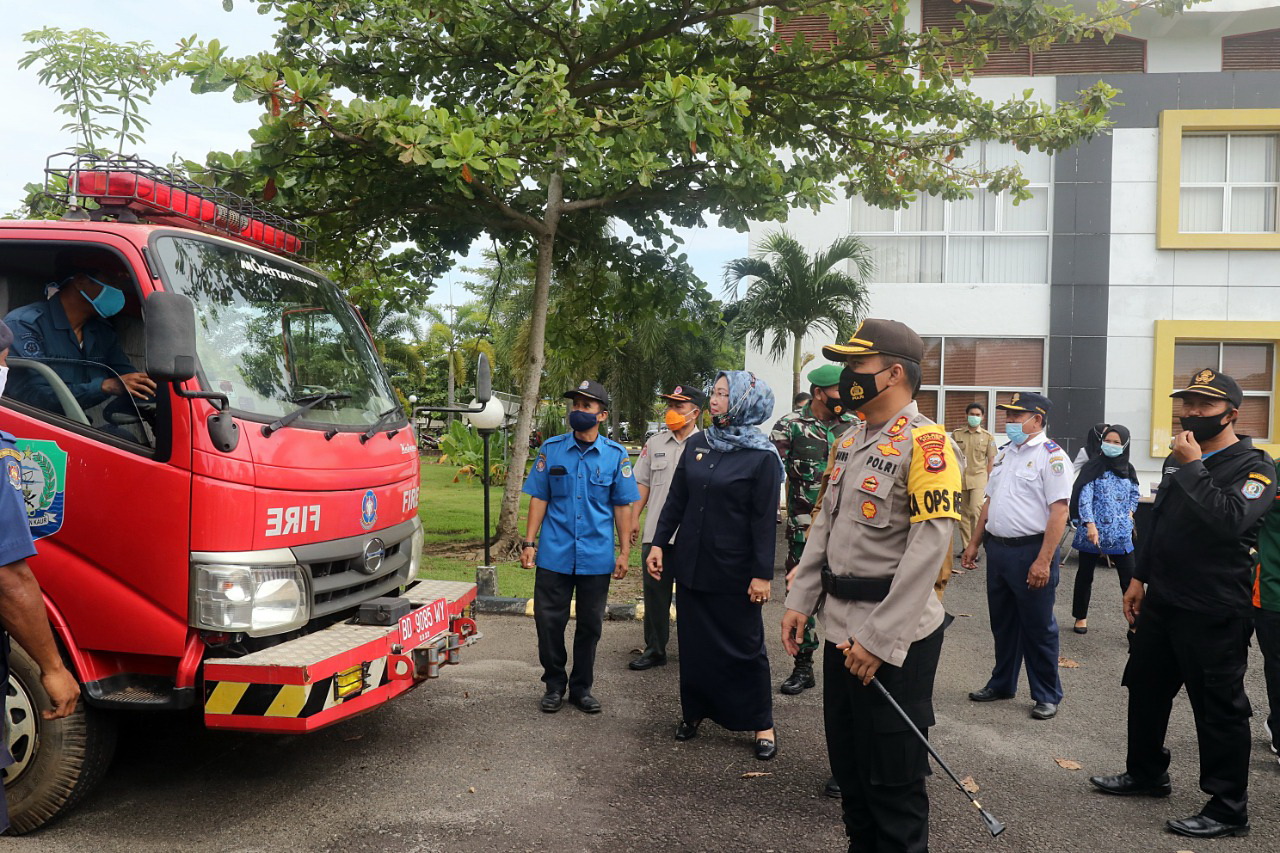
(171, 337)
(484, 380)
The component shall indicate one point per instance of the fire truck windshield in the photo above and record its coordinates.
(272, 335)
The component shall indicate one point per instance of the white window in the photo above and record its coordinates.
(983, 239)
(957, 372)
(1229, 183)
(1250, 364)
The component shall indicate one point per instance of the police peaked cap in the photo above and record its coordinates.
(879, 337)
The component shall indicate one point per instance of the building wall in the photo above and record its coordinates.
(1108, 285)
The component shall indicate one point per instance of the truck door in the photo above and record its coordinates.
(106, 475)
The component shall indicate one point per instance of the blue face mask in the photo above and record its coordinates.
(107, 303)
(1014, 432)
(581, 421)
(1111, 451)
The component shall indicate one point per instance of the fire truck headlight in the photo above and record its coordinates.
(256, 600)
(415, 550)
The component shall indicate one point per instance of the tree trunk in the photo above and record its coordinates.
(508, 532)
(796, 356)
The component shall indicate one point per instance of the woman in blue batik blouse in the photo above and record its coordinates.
(1106, 496)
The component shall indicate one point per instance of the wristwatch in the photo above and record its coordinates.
(533, 545)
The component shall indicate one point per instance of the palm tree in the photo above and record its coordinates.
(793, 293)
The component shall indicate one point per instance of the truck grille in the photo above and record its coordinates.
(339, 580)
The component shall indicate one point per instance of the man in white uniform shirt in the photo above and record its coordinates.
(1021, 525)
(653, 472)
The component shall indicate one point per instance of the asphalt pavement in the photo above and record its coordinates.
(468, 763)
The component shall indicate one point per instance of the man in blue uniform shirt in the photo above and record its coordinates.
(22, 612)
(69, 331)
(580, 488)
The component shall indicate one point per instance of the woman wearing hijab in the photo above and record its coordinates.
(1106, 497)
(1092, 446)
(724, 502)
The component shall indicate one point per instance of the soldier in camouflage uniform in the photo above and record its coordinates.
(804, 439)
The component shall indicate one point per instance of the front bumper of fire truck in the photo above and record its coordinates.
(321, 678)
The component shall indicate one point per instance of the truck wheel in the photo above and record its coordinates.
(56, 762)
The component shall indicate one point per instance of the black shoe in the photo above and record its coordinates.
(986, 694)
(687, 730)
(551, 702)
(800, 680)
(1080, 629)
(1124, 785)
(586, 703)
(1044, 711)
(766, 749)
(648, 660)
(1203, 826)
(832, 788)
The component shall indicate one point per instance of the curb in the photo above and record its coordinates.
(620, 612)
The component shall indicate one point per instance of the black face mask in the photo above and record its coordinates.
(856, 389)
(1204, 427)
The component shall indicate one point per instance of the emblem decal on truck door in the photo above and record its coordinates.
(41, 467)
(369, 510)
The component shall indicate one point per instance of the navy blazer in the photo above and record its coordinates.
(725, 506)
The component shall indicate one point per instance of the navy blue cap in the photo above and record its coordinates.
(1028, 401)
(591, 390)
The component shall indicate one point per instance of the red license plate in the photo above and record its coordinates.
(424, 623)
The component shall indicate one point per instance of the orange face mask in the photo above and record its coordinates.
(675, 420)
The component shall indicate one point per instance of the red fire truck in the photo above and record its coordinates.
(246, 541)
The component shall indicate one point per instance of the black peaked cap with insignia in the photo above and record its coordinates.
(1028, 401)
(1208, 382)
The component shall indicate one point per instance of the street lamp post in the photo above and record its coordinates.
(486, 421)
(485, 413)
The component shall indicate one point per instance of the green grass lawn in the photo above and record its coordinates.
(453, 513)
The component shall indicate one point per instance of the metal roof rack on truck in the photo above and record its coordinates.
(131, 189)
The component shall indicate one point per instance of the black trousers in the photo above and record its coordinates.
(1084, 578)
(1267, 625)
(878, 761)
(552, 592)
(1170, 648)
(657, 606)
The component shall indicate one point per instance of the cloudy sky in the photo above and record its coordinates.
(182, 123)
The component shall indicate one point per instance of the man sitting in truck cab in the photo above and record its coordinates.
(69, 332)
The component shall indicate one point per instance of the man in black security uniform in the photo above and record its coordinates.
(1191, 622)
(22, 611)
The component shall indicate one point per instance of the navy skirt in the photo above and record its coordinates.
(724, 669)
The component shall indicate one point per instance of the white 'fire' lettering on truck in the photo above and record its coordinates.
(286, 520)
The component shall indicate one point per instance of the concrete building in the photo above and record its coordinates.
(1144, 255)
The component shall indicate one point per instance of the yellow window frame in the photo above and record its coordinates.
(1171, 332)
(1173, 124)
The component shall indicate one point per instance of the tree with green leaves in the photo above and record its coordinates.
(534, 120)
(791, 293)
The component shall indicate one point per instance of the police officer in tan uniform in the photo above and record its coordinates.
(884, 525)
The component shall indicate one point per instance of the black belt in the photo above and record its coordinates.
(855, 589)
(1016, 541)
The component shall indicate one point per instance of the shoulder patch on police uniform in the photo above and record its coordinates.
(626, 467)
(31, 346)
(899, 425)
(1252, 490)
(933, 480)
(541, 464)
